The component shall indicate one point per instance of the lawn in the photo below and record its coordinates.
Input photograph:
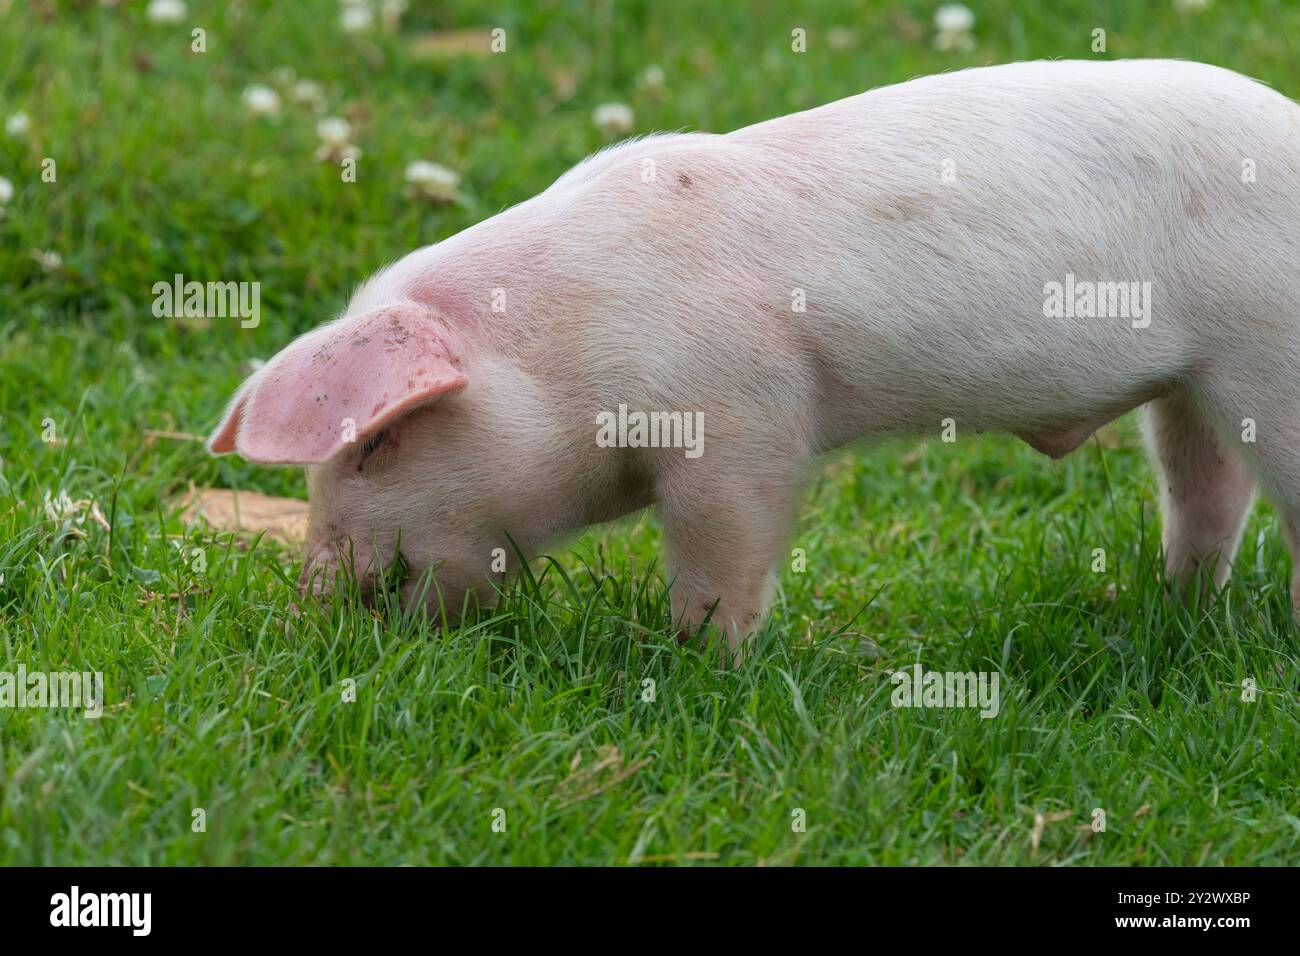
(567, 726)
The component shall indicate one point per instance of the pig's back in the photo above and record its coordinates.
(891, 250)
(936, 212)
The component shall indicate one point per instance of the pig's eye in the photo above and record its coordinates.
(372, 443)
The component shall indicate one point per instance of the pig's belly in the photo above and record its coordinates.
(1053, 389)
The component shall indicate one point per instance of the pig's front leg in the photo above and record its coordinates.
(727, 526)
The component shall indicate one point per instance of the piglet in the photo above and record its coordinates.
(691, 320)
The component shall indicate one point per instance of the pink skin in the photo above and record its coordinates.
(804, 283)
(344, 400)
(405, 451)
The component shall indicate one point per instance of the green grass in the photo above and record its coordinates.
(971, 556)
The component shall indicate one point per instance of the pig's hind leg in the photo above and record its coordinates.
(1254, 395)
(1206, 491)
(1267, 419)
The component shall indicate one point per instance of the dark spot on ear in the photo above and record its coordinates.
(397, 335)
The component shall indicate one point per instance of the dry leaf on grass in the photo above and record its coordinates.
(445, 44)
(247, 512)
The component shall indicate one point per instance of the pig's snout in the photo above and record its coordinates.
(324, 564)
(443, 589)
(321, 567)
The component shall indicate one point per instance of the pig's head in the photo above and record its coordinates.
(401, 455)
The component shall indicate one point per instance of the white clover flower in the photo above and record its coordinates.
(334, 131)
(165, 11)
(18, 124)
(61, 506)
(356, 17)
(613, 118)
(262, 100)
(432, 181)
(390, 13)
(954, 23)
(48, 259)
(283, 75)
(6, 190)
(335, 135)
(652, 77)
(954, 18)
(841, 38)
(308, 92)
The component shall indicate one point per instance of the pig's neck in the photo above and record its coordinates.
(497, 283)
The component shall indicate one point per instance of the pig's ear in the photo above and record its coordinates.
(340, 384)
